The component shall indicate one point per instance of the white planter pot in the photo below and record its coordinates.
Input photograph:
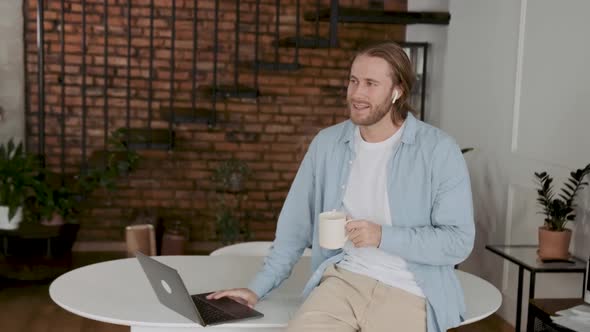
(14, 222)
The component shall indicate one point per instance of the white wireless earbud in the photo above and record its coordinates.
(394, 98)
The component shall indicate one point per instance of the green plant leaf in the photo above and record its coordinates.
(570, 187)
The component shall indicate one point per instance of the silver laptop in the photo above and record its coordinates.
(172, 293)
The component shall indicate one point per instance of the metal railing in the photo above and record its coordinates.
(87, 81)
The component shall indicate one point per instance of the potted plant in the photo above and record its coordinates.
(57, 199)
(18, 179)
(554, 238)
(230, 177)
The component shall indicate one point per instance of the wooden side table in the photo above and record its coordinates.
(541, 310)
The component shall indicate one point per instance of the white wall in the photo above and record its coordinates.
(11, 70)
(436, 36)
(516, 86)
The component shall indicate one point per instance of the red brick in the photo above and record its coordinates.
(248, 155)
(291, 110)
(279, 157)
(275, 128)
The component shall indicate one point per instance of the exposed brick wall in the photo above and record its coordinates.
(293, 105)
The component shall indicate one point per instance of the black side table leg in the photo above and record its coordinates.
(530, 325)
(532, 286)
(519, 299)
(584, 285)
(531, 296)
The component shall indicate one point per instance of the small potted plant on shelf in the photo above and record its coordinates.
(18, 181)
(554, 238)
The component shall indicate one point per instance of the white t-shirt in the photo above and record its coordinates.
(366, 198)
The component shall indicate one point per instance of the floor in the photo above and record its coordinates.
(26, 307)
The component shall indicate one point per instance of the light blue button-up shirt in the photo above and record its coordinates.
(431, 212)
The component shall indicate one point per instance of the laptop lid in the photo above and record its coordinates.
(169, 287)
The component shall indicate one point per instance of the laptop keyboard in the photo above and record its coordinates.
(210, 313)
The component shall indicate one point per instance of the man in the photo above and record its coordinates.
(408, 184)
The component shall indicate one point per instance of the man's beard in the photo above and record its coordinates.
(375, 114)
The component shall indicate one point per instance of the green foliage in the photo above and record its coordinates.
(119, 161)
(24, 182)
(231, 224)
(558, 211)
(18, 176)
(229, 227)
(65, 197)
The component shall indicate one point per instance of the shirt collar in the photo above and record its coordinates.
(408, 135)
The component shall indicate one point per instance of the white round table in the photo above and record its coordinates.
(118, 292)
(481, 298)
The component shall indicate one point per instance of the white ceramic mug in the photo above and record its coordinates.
(332, 229)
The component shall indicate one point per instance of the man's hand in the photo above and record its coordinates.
(242, 295)
(363, 233)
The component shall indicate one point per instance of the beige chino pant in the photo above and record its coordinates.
(347, 301)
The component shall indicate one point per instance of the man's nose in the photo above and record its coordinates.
(359, 92)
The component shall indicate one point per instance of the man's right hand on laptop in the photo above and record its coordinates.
(241, 295)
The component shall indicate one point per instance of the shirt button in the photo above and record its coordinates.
(350, 162)
(343, 187)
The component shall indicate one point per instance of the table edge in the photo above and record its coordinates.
(530, 268)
